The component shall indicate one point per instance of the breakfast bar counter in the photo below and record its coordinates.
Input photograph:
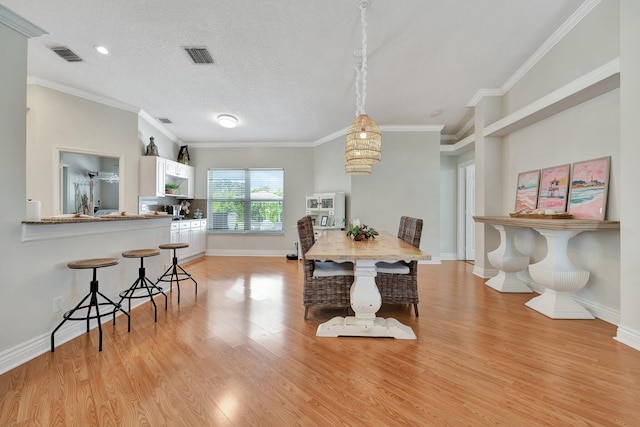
(71, 226)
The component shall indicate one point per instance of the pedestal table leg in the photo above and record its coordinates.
(365, 302)
(508, 260)
(559, 276)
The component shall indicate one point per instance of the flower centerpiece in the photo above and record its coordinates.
(361, 232)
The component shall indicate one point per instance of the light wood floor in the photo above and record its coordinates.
(241, 354)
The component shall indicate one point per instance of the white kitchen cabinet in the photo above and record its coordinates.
(152, 176)
(198, 236)
(156, 172)
(192, 232)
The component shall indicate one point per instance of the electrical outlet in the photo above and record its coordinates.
(57, 304)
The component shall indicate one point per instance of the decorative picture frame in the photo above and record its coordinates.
(527, 190)
(589, 188)
(554, 188)
(324, 220)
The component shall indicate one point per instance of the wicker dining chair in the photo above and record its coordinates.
(326, 284)
(398, 282)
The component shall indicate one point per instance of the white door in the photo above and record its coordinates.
(470, 204)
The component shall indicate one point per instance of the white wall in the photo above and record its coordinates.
(167, 147)
(629, 328)
(448, 205)
(298, 182)
(594, 41)
(405, 182)
(60, 121)
(329, 174)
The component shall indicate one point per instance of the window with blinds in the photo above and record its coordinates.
(245, 200)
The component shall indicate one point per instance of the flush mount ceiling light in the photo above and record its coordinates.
(364, 141)
(103, 50)
(227, 121)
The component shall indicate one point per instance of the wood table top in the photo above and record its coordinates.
(551, 224)
(335, 245)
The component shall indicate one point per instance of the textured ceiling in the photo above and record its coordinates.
(285, 68)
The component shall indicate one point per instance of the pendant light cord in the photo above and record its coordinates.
(361, 73)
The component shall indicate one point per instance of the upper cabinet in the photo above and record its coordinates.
(158, 176)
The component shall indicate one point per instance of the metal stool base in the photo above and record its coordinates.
(173, 275)
(93, 303)
(151, 289)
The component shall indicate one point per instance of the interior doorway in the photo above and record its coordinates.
(466, 210)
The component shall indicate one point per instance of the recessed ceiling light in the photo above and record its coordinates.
(227, 121)
(103, 50)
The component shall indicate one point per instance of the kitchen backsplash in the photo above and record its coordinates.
(163, 204)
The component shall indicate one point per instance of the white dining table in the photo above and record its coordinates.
(365, 296)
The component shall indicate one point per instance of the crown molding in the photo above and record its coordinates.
(411, 128)
(549, 44)
(481, 93)
(251, 144)
(81, 94)
(19, 24)
(330, 137)
(470, 123)
(448, 137)
(156, 124)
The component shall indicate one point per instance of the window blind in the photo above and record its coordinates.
(245, 200)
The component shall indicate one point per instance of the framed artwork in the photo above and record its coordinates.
(554, 188)
(589, 188)
(527, 190)
(324, 220)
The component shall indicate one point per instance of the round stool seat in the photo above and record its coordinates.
(174, 245)
(93, 263)
(140, 253)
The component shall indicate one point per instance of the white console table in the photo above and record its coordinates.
(556, 273)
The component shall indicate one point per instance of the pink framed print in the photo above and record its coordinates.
(527, 190)
(554, 188)
(589, 188)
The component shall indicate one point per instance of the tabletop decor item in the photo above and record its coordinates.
(554, 188)
(361, 232)
(527, 190)
(589, 188)
(171, 188)
(183, 155)
(152, 148)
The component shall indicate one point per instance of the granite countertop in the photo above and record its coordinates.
(86, 218)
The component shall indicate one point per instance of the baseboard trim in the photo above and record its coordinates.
(600, 311)
(449, 256)
(485, 273)
(244, 252)
(628, 336)
(22, 353)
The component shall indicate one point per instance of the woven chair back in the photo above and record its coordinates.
(410, 230)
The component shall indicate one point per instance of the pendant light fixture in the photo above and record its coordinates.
(363, 142)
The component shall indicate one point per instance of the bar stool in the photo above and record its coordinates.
(149, 288)
(172, 271)
(93, 301)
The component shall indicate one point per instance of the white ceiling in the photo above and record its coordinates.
(286, 68)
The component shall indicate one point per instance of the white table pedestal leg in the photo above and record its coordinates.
(508, 260)
(557, 274)
(365, 301)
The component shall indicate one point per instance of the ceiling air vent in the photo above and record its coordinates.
(164, 120)
(199, 55)
(66, 54)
